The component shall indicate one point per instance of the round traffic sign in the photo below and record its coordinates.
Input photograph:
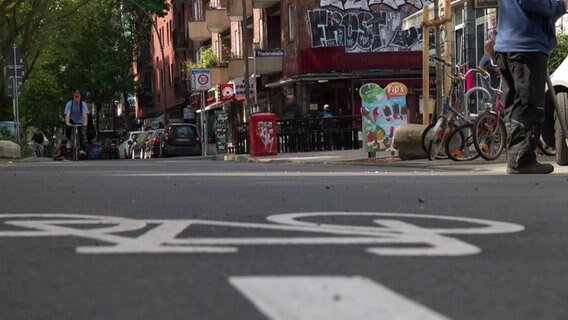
(203, 79)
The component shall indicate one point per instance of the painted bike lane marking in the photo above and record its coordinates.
(328, 297)
(384, 235)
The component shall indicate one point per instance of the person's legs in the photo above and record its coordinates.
(523, 81)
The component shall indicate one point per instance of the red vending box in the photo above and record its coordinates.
(262, 134)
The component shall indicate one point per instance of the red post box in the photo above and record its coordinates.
(262, 133)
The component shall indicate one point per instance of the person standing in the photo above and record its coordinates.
(76, 112)
(328, 126)
(525, 38)
(488, 63)
(292, 108)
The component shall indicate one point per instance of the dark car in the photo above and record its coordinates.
(180, 139)
(139, 145)
(152, 149)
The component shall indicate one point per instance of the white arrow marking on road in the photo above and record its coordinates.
(329, 298)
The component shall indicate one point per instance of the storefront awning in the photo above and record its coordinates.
(363, 75)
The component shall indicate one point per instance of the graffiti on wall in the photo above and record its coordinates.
(353, 25)
(366, 4)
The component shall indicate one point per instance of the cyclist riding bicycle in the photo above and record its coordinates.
(38, 139)
(76, 112)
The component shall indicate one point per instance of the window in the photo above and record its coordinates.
(238, 42)
(198, 10)
(291, 23)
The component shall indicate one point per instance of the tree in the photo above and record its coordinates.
(559, 53)
(82, 45)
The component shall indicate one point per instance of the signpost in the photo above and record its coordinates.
(201, 81)
(14, 71)
(263, 53)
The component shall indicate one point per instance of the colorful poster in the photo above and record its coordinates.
(382, 110)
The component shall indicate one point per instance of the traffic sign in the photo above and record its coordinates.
(14, 71)
(200, 79)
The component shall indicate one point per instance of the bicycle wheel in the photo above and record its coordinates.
(459, 144)
(75, 145)
(439, 133)
(427, 136)
(490, 136)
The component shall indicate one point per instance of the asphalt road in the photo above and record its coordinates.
(185, 238)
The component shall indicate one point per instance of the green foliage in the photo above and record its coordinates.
(559, 53)
(4, 133)
(208, 58)
(73, 44)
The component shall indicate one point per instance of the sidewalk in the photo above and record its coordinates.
(382, 159)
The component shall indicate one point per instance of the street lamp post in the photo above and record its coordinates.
(155, 25)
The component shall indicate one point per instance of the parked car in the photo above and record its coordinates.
(109, 149)
(125, 146)
(152, 149)
(180, 139)
(552, 131)
(139, 146)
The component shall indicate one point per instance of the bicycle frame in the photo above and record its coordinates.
(75, 142)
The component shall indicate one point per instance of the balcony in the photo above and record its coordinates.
(237, 68)
(198, 31)
(179, 41)
(217, 20)
(263, 4)
(219, 74)
(235, 9)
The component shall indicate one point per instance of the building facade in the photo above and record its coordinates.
(322, 51)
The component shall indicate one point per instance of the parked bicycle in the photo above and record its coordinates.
(453, 129)
(490, 132)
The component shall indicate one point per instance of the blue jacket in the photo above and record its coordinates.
(527, 25)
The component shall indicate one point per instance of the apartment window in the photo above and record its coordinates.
(238, 41)
(170, 76)
(198, 10)
(291, 23)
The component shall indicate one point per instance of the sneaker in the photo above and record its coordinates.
(535, 168)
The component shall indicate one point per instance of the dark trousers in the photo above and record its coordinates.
(523, 79)
(69, 131)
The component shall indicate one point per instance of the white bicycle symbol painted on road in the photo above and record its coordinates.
(385, 234)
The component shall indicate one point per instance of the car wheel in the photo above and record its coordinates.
(561, 147)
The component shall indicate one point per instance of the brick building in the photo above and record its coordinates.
(322, 51)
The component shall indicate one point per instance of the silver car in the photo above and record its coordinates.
(552, 129)
(124, 149)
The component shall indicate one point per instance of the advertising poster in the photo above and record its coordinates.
(382, 111)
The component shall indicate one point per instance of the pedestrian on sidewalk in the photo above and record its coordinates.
(525, 38)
